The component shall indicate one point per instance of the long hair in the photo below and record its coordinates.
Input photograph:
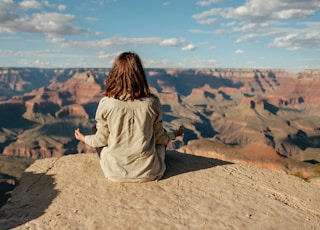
(127, 78)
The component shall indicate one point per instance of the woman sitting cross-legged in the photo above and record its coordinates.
(129, 125)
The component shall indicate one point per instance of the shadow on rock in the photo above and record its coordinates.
(179, 163)
(7, 184)
(29, 200)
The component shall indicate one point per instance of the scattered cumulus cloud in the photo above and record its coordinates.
(199, 31)
(298, 41)
(92, 19)
(258, 10)
(31, 53)
(208, 2)
(251, 27)
(188, 47)
(207, 21)
(155, 63)
(165, 3)
(106, 55)
(52, 23)
(230, 24)
(311, 60)
(62, 7)
(221, 31)
(164, 62)
(37, 62)
(31, 4)
(199, 62)
(122, 41)
(239, 52)
(254, 36)
(13, 21)
(205, 14)
(169, 42)
(282, 22)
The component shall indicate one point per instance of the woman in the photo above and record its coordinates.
(129, 125)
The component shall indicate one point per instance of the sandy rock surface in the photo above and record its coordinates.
(71, 192)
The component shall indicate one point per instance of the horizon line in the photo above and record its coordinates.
(190, 68)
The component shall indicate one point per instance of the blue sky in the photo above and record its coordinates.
(165, 33)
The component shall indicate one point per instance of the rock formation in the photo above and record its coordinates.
(71, 192)
(235, 107)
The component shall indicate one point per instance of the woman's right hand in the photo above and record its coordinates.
(179, 132)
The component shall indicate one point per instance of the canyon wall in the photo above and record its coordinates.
(271, 108)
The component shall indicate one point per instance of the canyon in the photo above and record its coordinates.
(264, 117)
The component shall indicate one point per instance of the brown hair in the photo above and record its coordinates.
(127, 78)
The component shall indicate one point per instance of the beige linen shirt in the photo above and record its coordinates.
(133, 138)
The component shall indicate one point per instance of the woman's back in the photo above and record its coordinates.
(135, 146)
(129, 125)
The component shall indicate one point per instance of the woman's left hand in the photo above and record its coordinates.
(180, 131)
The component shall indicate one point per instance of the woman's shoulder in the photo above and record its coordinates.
(154, 97)
(104, 99)
(152, 100)
(107, 101)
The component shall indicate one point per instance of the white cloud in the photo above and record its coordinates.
(31, 4)
(296, 41)
(252, 27)
(169, 42)
(255, 36)
(230, 24)
(36, 63)
(185, 46)
(52, 23)
(207, 21)
(46, 3)
(105, 55)
(239, 52)
(221, 31)
(208, 2)
(257, 10)
(62, 7)
(165, 62)
(198, 31)
(13, 21)
(7, 12)
(199, 62)
(188, 47)
(91, 19)
(122, 41)
(162, 63)
(274, 10)
(289, 38)
(282, 22)
(33, 53)
(207, 13)
(292, 14)
(40, 63)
